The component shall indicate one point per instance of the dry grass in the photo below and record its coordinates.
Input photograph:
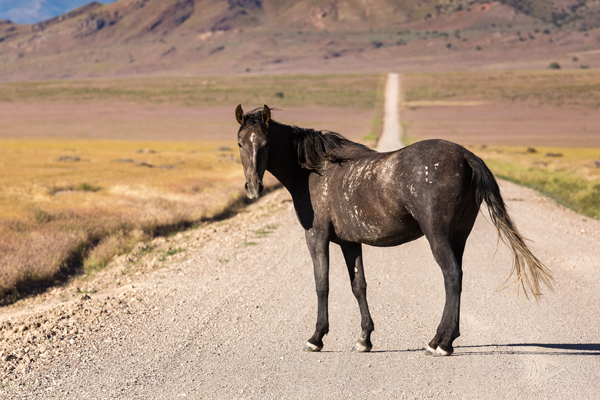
(70, 203)
(342, 90)
(558, 88)
(571, 176)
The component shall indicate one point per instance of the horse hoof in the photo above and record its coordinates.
(429, 351)
(311, 348)
(439, 352)
(361, 348)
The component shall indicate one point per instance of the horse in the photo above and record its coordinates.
(346, 193)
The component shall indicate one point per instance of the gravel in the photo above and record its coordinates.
(223, 311)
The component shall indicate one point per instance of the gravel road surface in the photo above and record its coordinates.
(228, 317)
(391, 135)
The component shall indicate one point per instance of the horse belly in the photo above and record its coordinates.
(394, 238)
(374, 224)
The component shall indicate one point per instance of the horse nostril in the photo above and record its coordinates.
(246, 186)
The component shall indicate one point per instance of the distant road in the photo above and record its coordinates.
(390, 139)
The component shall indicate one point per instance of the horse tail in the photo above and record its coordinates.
(528, 269)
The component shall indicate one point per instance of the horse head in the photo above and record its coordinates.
(253, 141)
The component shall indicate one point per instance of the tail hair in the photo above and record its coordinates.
(527, 268)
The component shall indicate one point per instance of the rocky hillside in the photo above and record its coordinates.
(232, 36)
(580, 14)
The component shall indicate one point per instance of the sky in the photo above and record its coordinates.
(31, 11)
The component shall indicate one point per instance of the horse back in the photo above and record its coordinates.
(383, 199)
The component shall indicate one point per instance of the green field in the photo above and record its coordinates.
(570, 176)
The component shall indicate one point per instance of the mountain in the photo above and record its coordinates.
(131, 37)
(582, 14)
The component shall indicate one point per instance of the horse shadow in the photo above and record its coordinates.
(567, 349)
(551, 349)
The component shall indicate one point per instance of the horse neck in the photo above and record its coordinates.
(283, 160)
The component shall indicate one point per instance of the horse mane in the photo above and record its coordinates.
(315, 148)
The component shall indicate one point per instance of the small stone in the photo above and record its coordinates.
(83, 298)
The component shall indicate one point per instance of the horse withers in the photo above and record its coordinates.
(346, 193)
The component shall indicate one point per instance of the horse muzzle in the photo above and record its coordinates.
(254, 189)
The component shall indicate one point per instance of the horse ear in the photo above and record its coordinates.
(239, 114)
(266, 115)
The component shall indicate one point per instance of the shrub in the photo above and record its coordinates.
(554, 65)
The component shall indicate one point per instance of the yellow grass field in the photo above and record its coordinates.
(78, 174)
(83, 201)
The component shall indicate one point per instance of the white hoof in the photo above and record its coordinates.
(311, 347)
(429, 351)
(360, 348)
(441, 353)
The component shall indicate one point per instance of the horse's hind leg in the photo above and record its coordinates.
(353, 256)
(449, 257)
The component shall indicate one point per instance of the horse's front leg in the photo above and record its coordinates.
(318, 245)
(353, 256)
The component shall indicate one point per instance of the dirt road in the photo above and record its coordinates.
(230, 319)
(391, 135)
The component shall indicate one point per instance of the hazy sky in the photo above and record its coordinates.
(30, 11)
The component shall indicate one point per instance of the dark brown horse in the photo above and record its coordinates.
(346, 193)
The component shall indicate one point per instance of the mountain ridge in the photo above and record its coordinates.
(129, 36)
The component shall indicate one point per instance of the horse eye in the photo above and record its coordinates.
(267, 145)
(240, 145)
